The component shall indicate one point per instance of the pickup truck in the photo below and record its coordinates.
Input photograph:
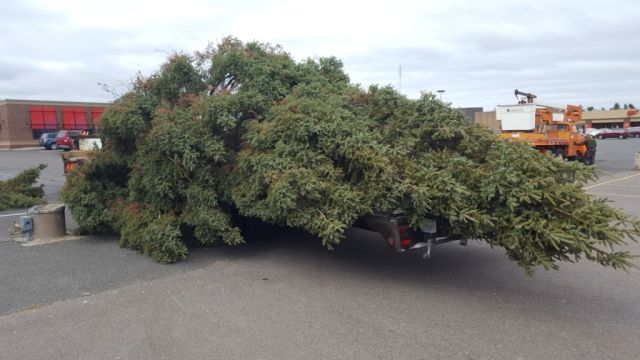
(401, 237)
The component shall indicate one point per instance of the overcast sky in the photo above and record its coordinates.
(581, 52)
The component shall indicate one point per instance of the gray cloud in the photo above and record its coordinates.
(579, 52)
(589, 66)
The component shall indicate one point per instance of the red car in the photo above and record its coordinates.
(67, 139)
(619, 133)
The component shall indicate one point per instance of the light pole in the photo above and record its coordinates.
(440, 92)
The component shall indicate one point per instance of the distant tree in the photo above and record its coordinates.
(631, 106)
(625, 106)
(616, 106)
(590, 108)
(602, 108)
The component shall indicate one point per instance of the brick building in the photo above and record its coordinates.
(23, 121)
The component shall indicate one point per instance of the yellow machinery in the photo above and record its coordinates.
(547, 127)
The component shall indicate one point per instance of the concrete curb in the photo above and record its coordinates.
(24, 149)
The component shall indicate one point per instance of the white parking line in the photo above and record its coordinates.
(611, 181)
(10, 215)
(624, 186)
(617, 195)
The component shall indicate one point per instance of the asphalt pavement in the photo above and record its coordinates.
(52, 177)
(287, 297)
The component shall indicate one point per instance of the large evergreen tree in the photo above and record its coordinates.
(243, 128)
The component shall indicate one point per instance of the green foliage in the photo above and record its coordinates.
(20, 192)
(124, 123)
(94, 191)
(295, 169)
(242, 128)
(174, 170)
(531, 205)
(176, 78)
(147, 230)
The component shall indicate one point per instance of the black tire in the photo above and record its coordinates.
(600, 137)
(559, 153)
(53, 146)
(620, 137)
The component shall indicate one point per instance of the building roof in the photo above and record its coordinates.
(53, 102)
(611, 115)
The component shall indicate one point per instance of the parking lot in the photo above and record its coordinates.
(289, 298)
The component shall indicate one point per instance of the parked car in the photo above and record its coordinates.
(48, 141)
(619, 133)
(67, 139)
(634, 131)
(592, 131)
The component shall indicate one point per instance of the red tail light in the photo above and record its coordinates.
(405, 236)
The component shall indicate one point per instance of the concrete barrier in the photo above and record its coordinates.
(48, 221)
